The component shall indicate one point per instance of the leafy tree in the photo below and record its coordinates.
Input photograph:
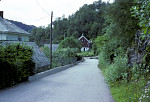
(70, 42)
(88, 20)
(142, 11)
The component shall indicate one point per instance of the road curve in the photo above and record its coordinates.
(81, 83)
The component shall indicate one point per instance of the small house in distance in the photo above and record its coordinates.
(86, 44)
(11, 32)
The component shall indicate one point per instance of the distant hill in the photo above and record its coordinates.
(25, 27)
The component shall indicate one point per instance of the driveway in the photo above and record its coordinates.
(81, 83)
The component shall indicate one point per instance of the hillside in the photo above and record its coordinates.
(25, 27)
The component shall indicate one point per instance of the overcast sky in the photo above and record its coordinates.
(32, 12)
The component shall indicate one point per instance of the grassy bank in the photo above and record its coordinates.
(134, 90)
(130, 92)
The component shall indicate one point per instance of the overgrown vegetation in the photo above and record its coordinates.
(16, 64)
(141, 11)
(128, 84)
(66, 52)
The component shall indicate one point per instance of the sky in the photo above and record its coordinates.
(37, 12)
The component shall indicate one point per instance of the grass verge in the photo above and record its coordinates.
(136, 90)
(86, 54)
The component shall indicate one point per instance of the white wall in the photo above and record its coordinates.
(84, 49)
(3, 36)
(25, 38)
(13, 37)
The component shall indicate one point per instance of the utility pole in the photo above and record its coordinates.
(51, 40)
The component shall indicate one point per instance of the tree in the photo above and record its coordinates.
(88, 20)
(142, 11)
(70, 42)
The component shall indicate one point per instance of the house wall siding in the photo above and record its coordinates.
(84, 42)
(3, 36)
(12, 37)
(25, 38)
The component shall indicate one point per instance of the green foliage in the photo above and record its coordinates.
(65, 56)
(46, 51)
(41, 35)
(120, 26)
(70, 42)
(62, 56)
(129, 92)
(118, 70)
(118, 35)
(99, 43)
(103, 63)
(88, 20)
(146, 58)
(86, 54)
(16, 64)
(142, 11)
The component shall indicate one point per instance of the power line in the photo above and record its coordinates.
(42, 8)
(40, 18)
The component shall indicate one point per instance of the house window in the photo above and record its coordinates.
(19, 38)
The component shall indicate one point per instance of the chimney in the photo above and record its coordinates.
(1, 14)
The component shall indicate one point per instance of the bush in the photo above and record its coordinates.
(66, 52)
(46, 51)
(118, 70)
(103, 63)
(65, 56)
(16, 64)
(70, 42)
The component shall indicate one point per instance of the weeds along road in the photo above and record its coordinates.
(81, 83)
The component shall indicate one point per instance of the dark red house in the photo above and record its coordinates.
(86, 44)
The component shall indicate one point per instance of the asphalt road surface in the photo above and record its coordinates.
(81, 83)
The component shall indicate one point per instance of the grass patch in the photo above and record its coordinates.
(86, 54)
(133, 91)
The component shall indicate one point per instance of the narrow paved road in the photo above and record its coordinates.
(81, 83)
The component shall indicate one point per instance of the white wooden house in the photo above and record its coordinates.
(11, 32)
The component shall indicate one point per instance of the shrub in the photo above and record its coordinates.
(103, 63)
(65, 56)
(117, 70)
(70, 42)
(16, 64)
(46, 51)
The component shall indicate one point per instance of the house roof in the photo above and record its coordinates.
(8, 27)
(85, 38)
(54, 46)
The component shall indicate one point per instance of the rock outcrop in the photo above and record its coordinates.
(138, 51)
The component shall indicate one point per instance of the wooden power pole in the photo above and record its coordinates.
(51, 40)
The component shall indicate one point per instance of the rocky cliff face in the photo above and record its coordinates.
(139, 50)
